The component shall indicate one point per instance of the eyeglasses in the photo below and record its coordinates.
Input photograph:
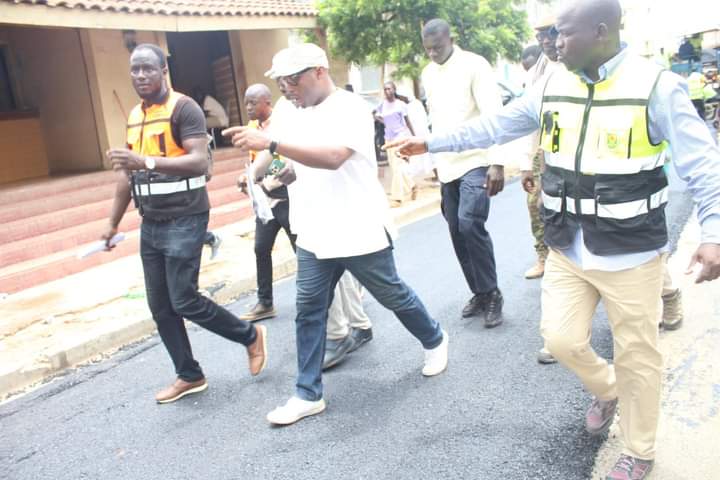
(549, 33)
(293, 79)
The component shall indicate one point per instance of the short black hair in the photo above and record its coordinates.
(436, 26)
(531, 51)
(155, 49)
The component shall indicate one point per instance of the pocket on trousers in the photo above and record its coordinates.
(185, 235)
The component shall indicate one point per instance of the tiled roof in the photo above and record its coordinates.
(303, 8)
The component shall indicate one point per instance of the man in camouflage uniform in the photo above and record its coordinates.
(536, 224)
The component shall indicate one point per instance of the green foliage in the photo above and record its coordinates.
(388, 31)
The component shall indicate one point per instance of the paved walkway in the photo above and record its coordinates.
(47, 329)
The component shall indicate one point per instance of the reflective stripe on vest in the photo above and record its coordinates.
(167, 188)
(622, 211)
(603, 172)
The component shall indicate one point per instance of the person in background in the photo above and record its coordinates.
(535, 158)
(393, 113)
(258, 103)
(529, 57)
(460, 86)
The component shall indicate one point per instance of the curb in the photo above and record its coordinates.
(18, 378)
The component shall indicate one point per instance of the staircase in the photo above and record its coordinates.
(44, 223)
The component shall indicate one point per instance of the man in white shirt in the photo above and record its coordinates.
(460, 86)
(340, 215)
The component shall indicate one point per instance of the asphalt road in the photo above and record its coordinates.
(494, 414)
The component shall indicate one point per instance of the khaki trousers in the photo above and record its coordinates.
(346, 310)
(632, 301)
(401, 183)
(668, 286)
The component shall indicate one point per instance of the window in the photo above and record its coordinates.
(7, 96)
(370, 79)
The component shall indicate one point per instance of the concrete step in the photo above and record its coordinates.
(34, 226)
(33, 189)
(60, 263)
(50, 195)
(75, 236)
(47, 186)
(47, 221)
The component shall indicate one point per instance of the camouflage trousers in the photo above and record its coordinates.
(533, 202)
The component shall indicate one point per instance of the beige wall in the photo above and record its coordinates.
(109, 74)
(252, 52)
(252, 55)
(50, 70)
(23, 150)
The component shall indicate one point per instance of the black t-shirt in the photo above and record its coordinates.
(187, 121)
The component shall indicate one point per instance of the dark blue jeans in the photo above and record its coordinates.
(170, 252)
(466, 206)
(316, 279)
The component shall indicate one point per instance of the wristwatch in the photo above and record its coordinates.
(150, 163)
(273, 147)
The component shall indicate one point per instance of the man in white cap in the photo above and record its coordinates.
(534, 160)
(340, 215)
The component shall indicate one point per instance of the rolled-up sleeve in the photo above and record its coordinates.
(695, 154)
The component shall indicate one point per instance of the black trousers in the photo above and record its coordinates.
(265, 235)
(466, 206)
(699, 105)
(170, 253)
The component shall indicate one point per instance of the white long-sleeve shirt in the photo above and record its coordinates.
(461, 89)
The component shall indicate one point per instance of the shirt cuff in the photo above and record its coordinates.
(437, 143)
(496, 155)
(711, 229)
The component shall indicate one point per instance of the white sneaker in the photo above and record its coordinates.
(436, 359)
(294, 410)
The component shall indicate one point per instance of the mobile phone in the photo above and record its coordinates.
(276, 165)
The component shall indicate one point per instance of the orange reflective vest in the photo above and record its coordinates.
(158, 195)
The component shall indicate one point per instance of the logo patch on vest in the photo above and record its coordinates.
(612, 141)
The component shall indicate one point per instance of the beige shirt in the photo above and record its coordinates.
(462, 88)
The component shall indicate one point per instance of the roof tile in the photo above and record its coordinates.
(187, 7)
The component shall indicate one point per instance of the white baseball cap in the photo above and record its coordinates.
(297, 58)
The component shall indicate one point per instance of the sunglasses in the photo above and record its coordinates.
(293, 79)
(549, 33)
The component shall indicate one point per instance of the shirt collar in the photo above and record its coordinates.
(162, 101)
(609, 67)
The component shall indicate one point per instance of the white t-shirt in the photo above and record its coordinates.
(343, 212)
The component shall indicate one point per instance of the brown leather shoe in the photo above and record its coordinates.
(259, 312)
(257, 352)
(179, 389)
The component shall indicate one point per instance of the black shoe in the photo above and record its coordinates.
(360, 336)
(493, 313)
(336, 351)
(475, 306)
